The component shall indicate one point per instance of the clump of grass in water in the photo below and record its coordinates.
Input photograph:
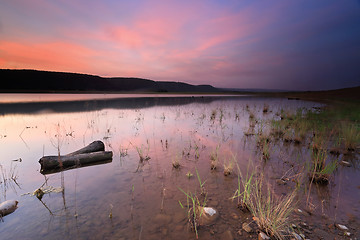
(320, 138)
(176, 162)
(214, 158)
(351, 136)
(195, 207)
(251, 115)
(142, 155)
(266, 108)
(123, 151)
(266, 150)
(8, 178)
(277, 129)
(245, 183)
(300, 130)
(213, 115)
(202, 188)
(269, 212)
(320, 171)
(228, 167)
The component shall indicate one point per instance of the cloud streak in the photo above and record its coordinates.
(228, 44)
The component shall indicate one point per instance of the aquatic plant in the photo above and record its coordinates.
(176, 162)
(351, 135)
(194, 209)
(229, 165)
(123, 151)
(251, 115)
(214, 158)
(213, 115)
(202, 188)
(111, 208)
(320, 171)
(245, 184)
(8, 179)
(271, 213)
(277, 128)
(266, 108)
(266, 150)
(141, 152)
(301, 127)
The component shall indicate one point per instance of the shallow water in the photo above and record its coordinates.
(143, 199)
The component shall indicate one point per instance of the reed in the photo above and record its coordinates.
(320, 171)
(194, 209)
(143, 156)
(176, 162)
(351, 135)
(201, 183)
(214, 158)
(271, 213)
(229, 166)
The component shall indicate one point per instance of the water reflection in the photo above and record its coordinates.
(142, 196)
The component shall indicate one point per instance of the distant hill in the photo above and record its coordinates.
(44, 81)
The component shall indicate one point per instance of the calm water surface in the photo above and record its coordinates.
(143, 199)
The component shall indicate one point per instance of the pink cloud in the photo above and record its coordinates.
(164, 40)
(60, 56)
(124, 36)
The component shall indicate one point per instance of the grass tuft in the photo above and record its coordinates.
(271, 213)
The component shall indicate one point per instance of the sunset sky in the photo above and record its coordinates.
(293, 45)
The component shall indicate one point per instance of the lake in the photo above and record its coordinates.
(132, 199)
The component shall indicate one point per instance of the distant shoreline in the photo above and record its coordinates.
(47, 82)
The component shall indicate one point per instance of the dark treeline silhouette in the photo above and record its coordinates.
(43, 81)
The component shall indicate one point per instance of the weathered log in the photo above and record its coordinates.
(51, 164)
(8, 207)
(95, 146)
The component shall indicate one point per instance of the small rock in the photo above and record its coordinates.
(303, 224)
(234, 216)
(246, 228)
(345, 163)
(210, 211)
(280, 181)
(347, 234)
(341, 227)
(8, 207)
(263, 236)
(208, 216)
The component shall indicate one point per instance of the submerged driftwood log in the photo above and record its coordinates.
(92, 154)
(95, 146)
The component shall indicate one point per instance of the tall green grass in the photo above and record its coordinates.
(271, 213)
